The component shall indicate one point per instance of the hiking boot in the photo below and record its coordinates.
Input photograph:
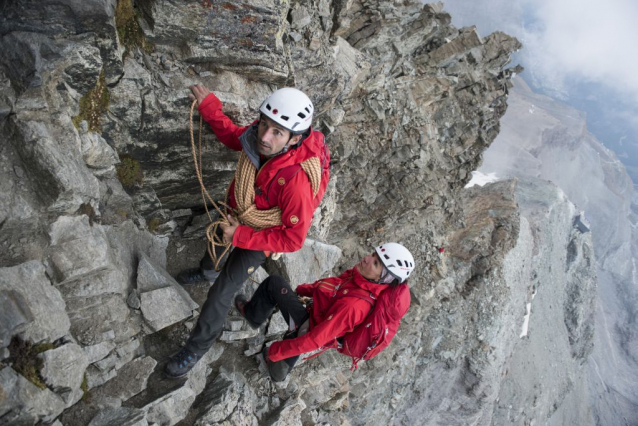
(196, 276)
(278, 370)
(179, 365)
(240, 304)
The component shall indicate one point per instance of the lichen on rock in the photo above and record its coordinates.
(128, 29)
(93, 105)
(129, 171)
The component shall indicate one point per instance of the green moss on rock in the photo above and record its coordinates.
(85, 388)
(93, 105)
(129, 171)
(24, 359)
(128, 29)
(153, 224)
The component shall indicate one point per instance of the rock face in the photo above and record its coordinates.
(99, 201)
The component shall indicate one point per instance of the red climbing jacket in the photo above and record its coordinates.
(331, 314)
(280, 182)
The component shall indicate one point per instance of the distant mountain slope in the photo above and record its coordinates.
(547, 139)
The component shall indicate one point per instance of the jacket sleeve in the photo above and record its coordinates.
(297, 208)
(346, 315)
(226, 131)
(305, 290)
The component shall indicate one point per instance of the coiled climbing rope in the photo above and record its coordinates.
(246, 211)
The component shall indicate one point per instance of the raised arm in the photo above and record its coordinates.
(210, 108)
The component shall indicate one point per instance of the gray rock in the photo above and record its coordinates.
(234, 323)
(85, 65)
(97, 153)
(300, 17)
(52, 158)
(231, 336)
(131, 244)
(133, 300)
(277, 325)
(92, 317)
(96, 377)
(131, 379)
(14, 312)
(24, 403)
(151, 276)
(63, 370)
(260, 53)
(467, 40)
(120, 357)
(77, 248)
(123, 416)
(220, 398)
(288, 415)
(102, 282)
(97, 352)
(173, 406)
(165, 306)
(315, 260)
(38, 308)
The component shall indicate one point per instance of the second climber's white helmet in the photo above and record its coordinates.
(290, 108)
(397, 260)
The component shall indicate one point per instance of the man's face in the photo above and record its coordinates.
(272, 138)
(370, 267)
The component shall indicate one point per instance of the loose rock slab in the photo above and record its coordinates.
(165, 306)
(41, 303)
(63, 370)
(24, 403)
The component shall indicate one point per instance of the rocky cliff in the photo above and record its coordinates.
(100, 203)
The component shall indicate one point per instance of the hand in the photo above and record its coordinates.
(199, 92)
(304, 299)
(229, 230)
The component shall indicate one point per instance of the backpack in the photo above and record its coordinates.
(376, 331)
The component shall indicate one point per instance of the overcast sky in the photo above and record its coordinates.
(587, 40)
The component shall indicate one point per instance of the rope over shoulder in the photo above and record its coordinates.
(246, 211)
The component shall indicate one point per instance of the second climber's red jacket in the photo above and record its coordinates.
(332, 315)
(280, 182)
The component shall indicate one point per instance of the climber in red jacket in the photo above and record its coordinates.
(330, 315)
(276, 144)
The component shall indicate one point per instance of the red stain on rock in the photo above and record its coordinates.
(248, 19)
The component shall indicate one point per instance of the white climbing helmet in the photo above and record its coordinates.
(397, 260)
(290, 108)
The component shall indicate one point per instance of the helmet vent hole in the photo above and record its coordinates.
(307, 110)
(386, 257)
(268, 107)
(285, 117)
(301, 115)
(399, 262)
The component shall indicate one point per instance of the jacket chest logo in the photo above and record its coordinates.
(294, 219)
(281, 181)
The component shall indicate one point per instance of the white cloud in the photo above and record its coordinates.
(565, 40)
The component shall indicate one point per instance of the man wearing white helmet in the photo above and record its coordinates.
(276, 144)
(335, 309)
